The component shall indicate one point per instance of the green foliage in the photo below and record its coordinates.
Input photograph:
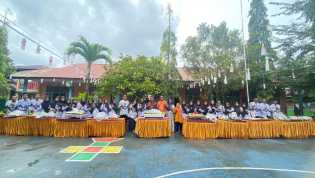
(168, 50)
(259, 35)
(137, 77)
(258, 25)
(298, 38)
(211, 53)
(6, 67)
(297, 42)
(91, 52)
(83, 97)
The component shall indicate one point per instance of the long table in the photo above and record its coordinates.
(248, 129)
(30, 126)
(153, 128)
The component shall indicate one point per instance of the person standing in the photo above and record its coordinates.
(11, 105)
(46, 105)
(37, 103)
(150, 103)
(178, 111)
(24, 104)
(123, 106)
(162, 105)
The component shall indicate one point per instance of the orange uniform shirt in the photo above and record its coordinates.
(162, 106)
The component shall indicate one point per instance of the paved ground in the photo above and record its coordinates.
(39, 157)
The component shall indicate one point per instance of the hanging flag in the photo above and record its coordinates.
(38, 49)
(23, 44)
(247, 74)
(215, 80)
(41, 80)
(231, 68)
(225, 80)
(264, 86)
(263, 50)
(293, 75)
(267, 65)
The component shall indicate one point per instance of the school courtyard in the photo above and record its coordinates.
(174, 157)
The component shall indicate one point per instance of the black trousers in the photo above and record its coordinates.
(130, 123)
(178, 127)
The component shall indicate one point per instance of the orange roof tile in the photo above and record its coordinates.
(75, 71)
(78, 71)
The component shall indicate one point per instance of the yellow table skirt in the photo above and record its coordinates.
(107, 128)
(152, 128)
(249, 129)
(29, 126)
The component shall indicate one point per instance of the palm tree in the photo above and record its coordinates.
(91, 52)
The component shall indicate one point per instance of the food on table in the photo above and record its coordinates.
(153, 113)
(196, 116)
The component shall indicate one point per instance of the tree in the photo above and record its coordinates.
(297, 42)
(168, 53)
(211, 54)
(91, 52)
(6, 67)
(168, 45)
(259, 37)
(136, 77)
(298, 38)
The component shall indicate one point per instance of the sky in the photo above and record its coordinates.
(130, 27)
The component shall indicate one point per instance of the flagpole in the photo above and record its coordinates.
(244, 53)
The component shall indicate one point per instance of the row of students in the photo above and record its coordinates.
(61, 105)
(256, 109)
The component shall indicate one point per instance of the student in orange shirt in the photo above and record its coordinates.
(178, 111)
(162, 104)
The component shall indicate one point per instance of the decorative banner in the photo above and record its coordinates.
(293, 75)
(267, 65)
(225, 80)
(247, 74)
(264, 86)
(215, 80)
(23, 44)
(41, 80)
(263, 50)
(231, 68)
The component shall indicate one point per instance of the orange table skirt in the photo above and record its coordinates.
(108, 128)
(249, 129)
(152, 128)
(29, 126)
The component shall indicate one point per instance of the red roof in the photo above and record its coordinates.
(78, 71)
(75, 71)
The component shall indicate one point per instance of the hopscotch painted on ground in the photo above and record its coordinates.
(88, 153)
